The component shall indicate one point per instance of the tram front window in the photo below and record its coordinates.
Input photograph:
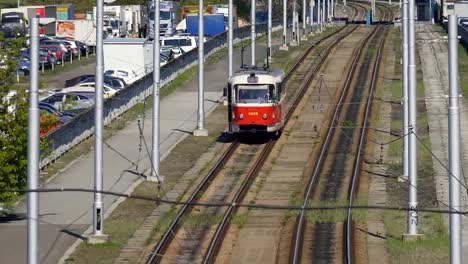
(253, 94)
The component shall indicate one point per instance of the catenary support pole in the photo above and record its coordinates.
(454, 145)
(33, 146)
(311, 8)
(285, 25)
(413, 155)
(304, 19)
(98, 207)
(328, 11)
(201, 131)
(332, 10)
(294, 31)
(252, 28)
(319, 16)
(156, 84)
(230, 39)
(323, 15)
(270, 14)
(404, 101)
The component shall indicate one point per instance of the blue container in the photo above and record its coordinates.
(261, 17)
(213, 24)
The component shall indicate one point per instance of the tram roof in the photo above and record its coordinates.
(264, 75)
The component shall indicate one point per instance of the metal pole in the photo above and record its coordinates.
(33, 145)
(405, 119)
(413, 169)
(311, 6)
(201, 131)
(156, 81)
(98, 205)
(454, 145)
(332, 15)
(304, 18)
(431, 13)
(328, 10)
(252, 30)
(319, 16)
(294, 29)
(230, 39)
(344, 2)
(323, 15)
(270, 14)
(285, 25)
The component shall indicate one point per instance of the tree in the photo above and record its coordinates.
(13, 121)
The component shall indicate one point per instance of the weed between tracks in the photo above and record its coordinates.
(434, 247)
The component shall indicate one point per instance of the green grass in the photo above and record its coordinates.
(463, 68)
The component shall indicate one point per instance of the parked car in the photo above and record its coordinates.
(186, 43)
(115, 82)
(72, 44)
(77, 80)
(128, 76)
(56, 51)
(89, 88)
(70, 101)
(172, 52)
(64, 47)
(45, 59)
(83, 47)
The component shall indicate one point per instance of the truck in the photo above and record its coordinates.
(115, 24)
(213, 24)
(224, 10)
(169, 18)
(13, 24)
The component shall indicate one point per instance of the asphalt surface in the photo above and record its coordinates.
(65, 216)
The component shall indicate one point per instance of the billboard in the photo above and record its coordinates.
(65, 29)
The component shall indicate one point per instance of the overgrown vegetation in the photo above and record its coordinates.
(13, 121)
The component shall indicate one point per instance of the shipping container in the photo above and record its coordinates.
(51, 11)
(213, 24)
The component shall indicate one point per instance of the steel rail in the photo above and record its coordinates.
(358, 159)
(220, 232)
(166, 238)
(297, 242)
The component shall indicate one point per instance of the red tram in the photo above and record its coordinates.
(256, 100)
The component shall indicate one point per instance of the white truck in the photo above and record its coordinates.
(169, 18)
(85, 31)
(115, 24)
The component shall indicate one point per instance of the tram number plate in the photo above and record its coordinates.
(253, 113)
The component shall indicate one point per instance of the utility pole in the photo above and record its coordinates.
(156, 82)
(294, 31)
(405, 118)
(285, 25)
(252, 28)
(454, 145)
(270, 14)
(311, 6)
(413, 155)
(201, 131)
(230, 39)
(323, 15)
(328, 11)
(304, 19)
(98, 236)
(332, 10)
(33, 146)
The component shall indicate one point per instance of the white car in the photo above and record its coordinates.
(186, 43)
(89, 88)
(127, 75)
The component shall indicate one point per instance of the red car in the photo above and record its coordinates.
(55, 50)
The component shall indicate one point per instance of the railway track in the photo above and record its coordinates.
(303, 74)
(341, 153)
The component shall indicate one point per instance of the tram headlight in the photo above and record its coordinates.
(241, 116)
(273, 116)
(265, 116)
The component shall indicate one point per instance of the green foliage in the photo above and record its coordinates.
(13, 123)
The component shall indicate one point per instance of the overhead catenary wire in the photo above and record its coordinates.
(240, 205)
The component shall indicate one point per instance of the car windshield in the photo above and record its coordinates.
(171, 42)
(114, 24)
(165, 15)
(11, 20)
(250, 94)
(185, 42)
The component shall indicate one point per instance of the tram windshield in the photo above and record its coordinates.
(254, 94)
